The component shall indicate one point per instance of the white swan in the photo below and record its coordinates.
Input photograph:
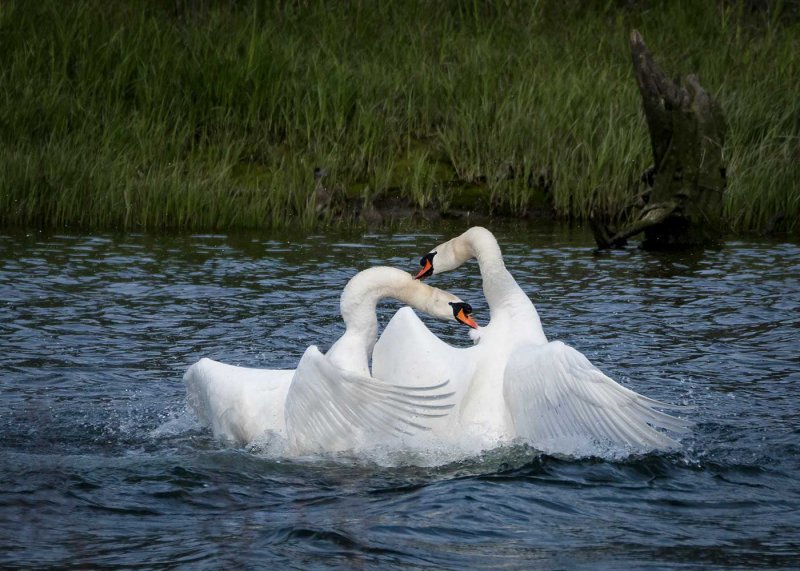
(514, 384)
(330, 402)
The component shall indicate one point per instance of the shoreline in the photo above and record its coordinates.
(205, 115)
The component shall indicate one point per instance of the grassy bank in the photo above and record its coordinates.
(195, 114)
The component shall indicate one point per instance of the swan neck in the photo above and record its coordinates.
(480, 244)
(505, 298)
(358, 305)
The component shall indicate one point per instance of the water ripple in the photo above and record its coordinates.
(102, 466)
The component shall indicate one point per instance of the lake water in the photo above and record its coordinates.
(101, 464)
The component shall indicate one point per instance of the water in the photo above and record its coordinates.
(102, 466)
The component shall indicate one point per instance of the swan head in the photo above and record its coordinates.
(437, 302)
(449, 255)
(462, 312)
(426, 262)
(443, 258)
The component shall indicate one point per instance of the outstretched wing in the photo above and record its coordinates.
(560, 402)
(329, 409)
(238, 403)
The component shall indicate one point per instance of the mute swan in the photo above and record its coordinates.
(330, 402)
(514, 384)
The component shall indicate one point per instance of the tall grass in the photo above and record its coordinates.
(215, 115)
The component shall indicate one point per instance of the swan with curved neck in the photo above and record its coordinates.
(507, 302)
(329, 402)
(514, 384)
(358, 306)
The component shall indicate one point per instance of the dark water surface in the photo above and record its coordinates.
(102, 466)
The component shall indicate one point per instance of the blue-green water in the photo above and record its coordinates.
(101, 465)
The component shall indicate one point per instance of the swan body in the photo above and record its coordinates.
(513, 384)
(330, 402)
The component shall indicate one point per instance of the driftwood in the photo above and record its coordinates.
(682, 205)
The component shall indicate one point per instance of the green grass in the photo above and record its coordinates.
(213, 115)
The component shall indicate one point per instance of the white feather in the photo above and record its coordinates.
(330, 402)
(513, 384)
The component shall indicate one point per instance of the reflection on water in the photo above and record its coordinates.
(101, 466)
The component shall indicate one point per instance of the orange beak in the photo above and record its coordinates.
(466, 319)
(425, 271)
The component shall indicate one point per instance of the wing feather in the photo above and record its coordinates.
(329, 409)
(559, 401)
